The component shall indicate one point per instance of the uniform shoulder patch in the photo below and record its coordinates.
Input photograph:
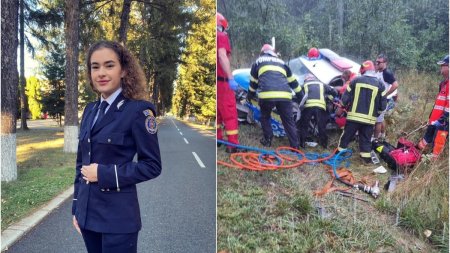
(150, 122)
(148, 112)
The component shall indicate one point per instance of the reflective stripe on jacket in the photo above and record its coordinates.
(273, 78)
(366, 97)
(441, 104)
(316, 92)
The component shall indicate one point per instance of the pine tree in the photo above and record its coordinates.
(33, 92)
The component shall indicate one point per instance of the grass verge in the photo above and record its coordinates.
(276, 211)
(44, 171)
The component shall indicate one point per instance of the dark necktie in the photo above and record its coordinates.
(101, 112)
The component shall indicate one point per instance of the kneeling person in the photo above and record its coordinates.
(315, 106)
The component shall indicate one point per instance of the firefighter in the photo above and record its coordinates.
(366, 99)
(315, 106)
(226, 102)
(274, 80)
(437, 129)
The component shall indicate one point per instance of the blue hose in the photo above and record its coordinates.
(271, 152)
(334, 161)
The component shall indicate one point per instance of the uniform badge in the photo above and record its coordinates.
(150, 122)
(120, 104)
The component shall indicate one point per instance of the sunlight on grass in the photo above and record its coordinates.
(44, 171)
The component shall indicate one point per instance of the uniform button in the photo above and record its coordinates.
(109, 140)
(107, 190)
(89, 153)
(89, 139)
(102, 190)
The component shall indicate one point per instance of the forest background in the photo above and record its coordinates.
(167, 37)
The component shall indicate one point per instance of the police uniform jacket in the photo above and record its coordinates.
(317, 92)
(366, 97)
(128, 128)
(273, 78)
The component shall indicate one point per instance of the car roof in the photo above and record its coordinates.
(300, 66)
(322, 67)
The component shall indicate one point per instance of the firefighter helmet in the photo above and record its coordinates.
(313, 53)
(268, 49)
(221, 21)
(367, 66)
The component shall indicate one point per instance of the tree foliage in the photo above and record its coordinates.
(195, 93)
(156, 34)
(414, 34)
(54, 88)
(33, 92)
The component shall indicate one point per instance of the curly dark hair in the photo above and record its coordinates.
(133, 83)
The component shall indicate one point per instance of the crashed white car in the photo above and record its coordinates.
(328, 68)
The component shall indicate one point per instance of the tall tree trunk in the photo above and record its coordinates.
(72, 20)
(23, 96)
(340, 5)
(155, 91)
(9, 83)
(124, 21)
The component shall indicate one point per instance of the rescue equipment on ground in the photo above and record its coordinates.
(288, 158)
(403, 156)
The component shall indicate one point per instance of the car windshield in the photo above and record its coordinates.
(298, 69)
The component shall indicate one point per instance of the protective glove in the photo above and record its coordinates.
(436, 123)
(233, 84)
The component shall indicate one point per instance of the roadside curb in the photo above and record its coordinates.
(14, 232)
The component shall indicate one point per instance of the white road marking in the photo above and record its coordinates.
(198, 160)
(186, 141)
(175, 124)
(181, 133)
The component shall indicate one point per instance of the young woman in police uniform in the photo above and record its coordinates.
(113, 129)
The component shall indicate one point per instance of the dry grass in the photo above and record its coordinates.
(276, 211)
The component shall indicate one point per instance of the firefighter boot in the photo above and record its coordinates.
(266, 142)
(366, 160)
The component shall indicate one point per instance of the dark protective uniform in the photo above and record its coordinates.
(366, 97)
(274, 80)
(315, 106)
(110, 206)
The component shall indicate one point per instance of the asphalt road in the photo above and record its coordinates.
(178, 208)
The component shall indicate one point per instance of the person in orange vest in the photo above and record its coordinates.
(226, 102)
(437, 130)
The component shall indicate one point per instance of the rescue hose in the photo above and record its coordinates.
(287, 157)
(282, 157)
